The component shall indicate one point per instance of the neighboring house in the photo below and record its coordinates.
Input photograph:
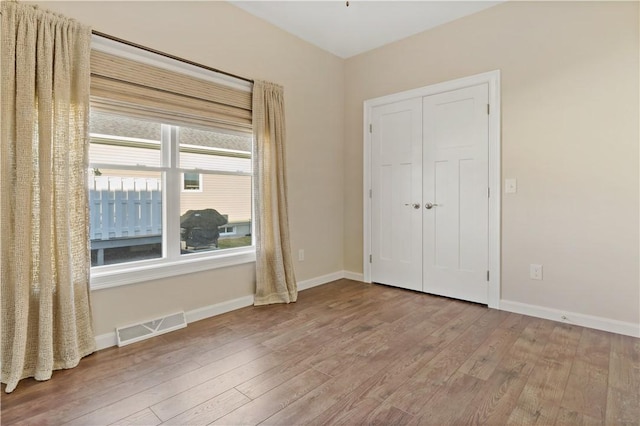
(126, 202)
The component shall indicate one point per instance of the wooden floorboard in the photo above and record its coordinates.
(349, 353)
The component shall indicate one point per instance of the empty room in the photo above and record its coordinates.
(320, 212)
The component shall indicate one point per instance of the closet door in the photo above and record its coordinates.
(455, 193)
(396, 204)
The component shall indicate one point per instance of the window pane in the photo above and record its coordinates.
(122, 140)
(217, 218)
(213, 150)
(191, 182)
(126, 216)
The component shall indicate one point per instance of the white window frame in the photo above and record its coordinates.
(174, 263)
(198, 189)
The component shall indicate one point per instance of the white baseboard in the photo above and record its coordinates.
(324, 279)
(355, 276)
(218, 309)
(599, 323)
(108, 340)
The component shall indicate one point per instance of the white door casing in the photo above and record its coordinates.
(490, 292)
(455, 183)
(396, 155)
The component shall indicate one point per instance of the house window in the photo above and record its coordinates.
(125, 189)
(191, 182)
(149, 205)
(170, 164)
(227, 230)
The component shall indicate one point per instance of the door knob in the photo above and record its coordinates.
(414, 205)
(429, 206)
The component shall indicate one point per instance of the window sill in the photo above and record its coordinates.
(130, 274)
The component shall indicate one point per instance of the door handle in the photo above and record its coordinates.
(429, 206)
(414, 205)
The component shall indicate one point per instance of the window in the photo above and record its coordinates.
(170, 167)
(227, 230)
(223, 162)
(148, 205)
(125, 189)
(192, 182)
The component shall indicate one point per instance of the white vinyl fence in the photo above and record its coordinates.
(125, 207)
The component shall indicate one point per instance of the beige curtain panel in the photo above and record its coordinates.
(46, 315)
(275, 279)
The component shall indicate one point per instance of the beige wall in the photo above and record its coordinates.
(225, 37)
(569, 135)
(135, 302)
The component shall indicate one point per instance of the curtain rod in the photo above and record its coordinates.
(168, 55)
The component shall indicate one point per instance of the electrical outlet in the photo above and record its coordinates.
(535, 272)
(301, 255)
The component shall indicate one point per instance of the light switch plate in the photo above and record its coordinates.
(535, 272)
(510, 186)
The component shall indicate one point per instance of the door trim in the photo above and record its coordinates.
(492, 78)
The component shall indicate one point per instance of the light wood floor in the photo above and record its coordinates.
(350, 353)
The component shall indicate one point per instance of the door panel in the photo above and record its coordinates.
(396, 226)
(455, 181)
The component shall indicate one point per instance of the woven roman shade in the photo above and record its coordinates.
(140, 90)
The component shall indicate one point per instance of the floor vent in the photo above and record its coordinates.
(144, 330)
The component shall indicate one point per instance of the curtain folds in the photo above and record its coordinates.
(46, 315)
(275, 279)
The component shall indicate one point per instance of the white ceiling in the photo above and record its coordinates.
(364, 25)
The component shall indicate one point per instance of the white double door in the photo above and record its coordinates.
(429, 194)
